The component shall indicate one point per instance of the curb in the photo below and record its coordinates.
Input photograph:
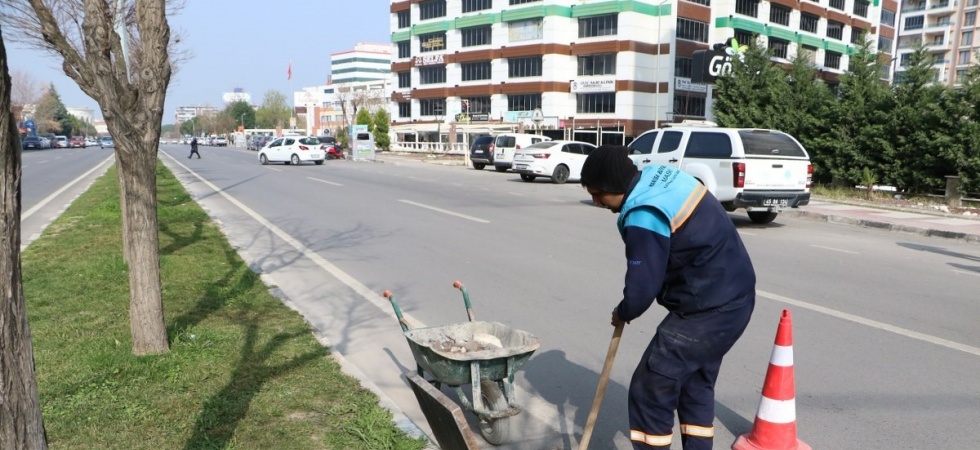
(922, 231)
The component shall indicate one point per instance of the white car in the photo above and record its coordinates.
(293, 150)
(559, 160)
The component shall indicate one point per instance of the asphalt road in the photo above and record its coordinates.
(887, 346)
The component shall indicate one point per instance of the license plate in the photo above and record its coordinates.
(775, 202)
(520, 167)
(478, 151)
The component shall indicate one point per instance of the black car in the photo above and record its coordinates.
(480, 152)
(31, 142)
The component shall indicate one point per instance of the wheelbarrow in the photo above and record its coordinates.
(485, 355)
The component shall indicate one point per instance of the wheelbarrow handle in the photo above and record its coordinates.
(466, 300)
(600, 391)
(398, 311)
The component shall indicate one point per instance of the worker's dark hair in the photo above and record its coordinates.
(609, 169)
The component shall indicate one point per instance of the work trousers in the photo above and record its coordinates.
(678, 373)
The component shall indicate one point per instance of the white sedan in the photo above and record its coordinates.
(293, 150)
(558, 160)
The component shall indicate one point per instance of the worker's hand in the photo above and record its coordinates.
(616, 321)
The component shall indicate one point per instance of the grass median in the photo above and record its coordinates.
(244, 370)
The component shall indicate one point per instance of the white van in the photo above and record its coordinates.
(504, 145)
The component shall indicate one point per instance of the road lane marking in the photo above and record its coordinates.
(270, 168)
(462, 216)
(962, 272)
(324, 181)
(746, 233)
(874, 324)
(835, 249)
(64, 188)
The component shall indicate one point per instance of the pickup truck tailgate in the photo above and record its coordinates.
(775, 174)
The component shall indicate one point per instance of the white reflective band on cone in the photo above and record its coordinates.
(781, 356)
(777, 411)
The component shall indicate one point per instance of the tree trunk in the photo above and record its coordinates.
(21, 425)
(142, 241)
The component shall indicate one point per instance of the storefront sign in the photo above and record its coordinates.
(592, 86)
(429, 60)
(685, 84)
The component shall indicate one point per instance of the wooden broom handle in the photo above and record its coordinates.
(601, 389)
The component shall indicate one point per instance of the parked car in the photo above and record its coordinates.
(45, 142)
(91, 142)
(106, 142)
(559, 160)
(760, 170)
(504, 146)
(32, 142)
(77, 142)
(293, 150)
(221, 141)
(480, 153)
(61, 141)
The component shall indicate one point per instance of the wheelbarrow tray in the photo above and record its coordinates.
(453, 368)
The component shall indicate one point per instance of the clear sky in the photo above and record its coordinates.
(240, 43)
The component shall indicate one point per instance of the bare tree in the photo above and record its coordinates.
(127, 74)
(24, 90)
(21, 425)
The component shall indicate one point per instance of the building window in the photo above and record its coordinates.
(523, 102)
(432, 106)
(860, 8)
(689, 106)
(835, 30)
(744, 37)
(692, 30)
(837, 4)
(885, 44)
(857, 35)
(432, 42)
(604, 64)
(432, 74)
(476, 105)
(476, 5)
(779, 14)
(404, 49)
(525, 30)
(905, 60)
(404, 80)
(475, 70)
(914, 23)
(964, 57)
(966, 39)
(524, 67)
(596, 103)
(961, 75)
(701, 2)
(808, 22)
(970, 18)
(598, 26)
(431, 9)
(404, 109)
(521, 2)
(888, 18)
(832, 60)
(476, 36)
(808, 52)
(404, 19)
(683, 66)
(747, 8)
(779, 47)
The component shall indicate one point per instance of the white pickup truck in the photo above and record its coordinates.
(760, 170)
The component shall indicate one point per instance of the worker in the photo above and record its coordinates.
(683, 251)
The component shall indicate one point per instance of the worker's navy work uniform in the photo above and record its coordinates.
(682, 250)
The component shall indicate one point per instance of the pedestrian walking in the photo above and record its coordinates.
(194, 149)
(683, 251)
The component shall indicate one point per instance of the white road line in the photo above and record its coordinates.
(747, 233)
(270, 168)
(463, 216)
(835, 249)
(64, 188)
(42, 162)
(516, 193)
(963, 272)
(874, 324)
(324, 181)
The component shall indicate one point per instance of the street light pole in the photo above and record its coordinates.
(656, 69)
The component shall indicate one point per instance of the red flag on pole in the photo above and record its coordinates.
(289, 71)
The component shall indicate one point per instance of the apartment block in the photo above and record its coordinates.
(945, 28)
(599, 71)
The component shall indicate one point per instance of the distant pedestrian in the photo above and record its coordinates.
(194, 149)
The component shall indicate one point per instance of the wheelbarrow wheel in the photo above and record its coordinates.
(495, 431)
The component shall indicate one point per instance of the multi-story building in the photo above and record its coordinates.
(185, 113)
(600, 71)
(945, 28)
(237, 95)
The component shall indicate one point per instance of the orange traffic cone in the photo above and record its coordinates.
(775, 421)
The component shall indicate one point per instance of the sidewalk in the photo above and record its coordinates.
(924, 222)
